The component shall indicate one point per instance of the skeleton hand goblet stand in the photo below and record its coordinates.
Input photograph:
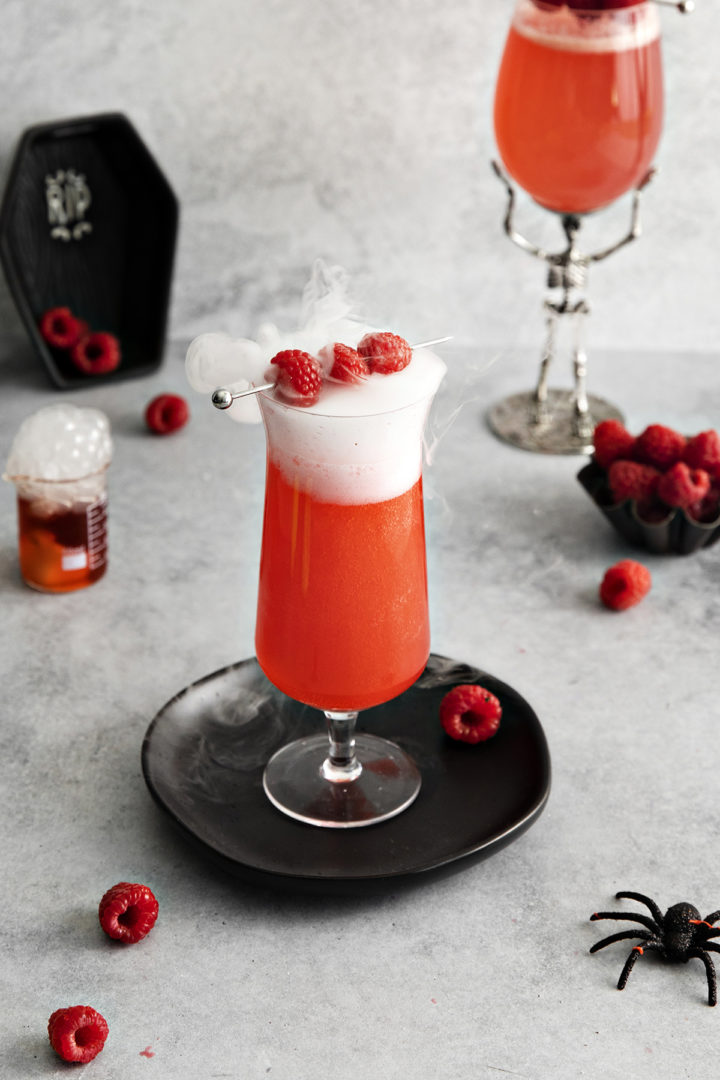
(578, 117)
(548, 420)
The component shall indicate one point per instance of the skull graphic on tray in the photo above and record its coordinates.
(68, 197)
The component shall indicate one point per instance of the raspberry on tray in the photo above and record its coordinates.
(96, 354)
(60, 328)
(470, 713)
(77, 1033)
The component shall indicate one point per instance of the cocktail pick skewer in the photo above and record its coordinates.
(223, 398)
(684, 6)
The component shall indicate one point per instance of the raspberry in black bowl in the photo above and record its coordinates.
(659, 490)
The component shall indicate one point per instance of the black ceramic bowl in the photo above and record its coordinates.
(89, 222)
(675, 534)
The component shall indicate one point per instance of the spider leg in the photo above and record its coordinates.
(630, 962)
(712, 917)
(711, 933)
(629, 916)
(703, 955)
(654, 909)
(709, 946)
(622, 935)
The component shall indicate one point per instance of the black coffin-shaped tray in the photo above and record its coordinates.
(205, 751)
(89, 222)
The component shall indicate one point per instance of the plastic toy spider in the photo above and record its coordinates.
(678, 935)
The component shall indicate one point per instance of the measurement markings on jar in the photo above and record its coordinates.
(97, 534)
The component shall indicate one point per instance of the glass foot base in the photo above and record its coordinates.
(387, 784)
(513, 421)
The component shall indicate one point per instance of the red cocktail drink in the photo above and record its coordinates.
(342, 618)
(342, 608)
(579, 102)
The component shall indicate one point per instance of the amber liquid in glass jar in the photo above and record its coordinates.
(62, 548)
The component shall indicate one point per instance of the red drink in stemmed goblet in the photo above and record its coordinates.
(579, 102)
(578, 117)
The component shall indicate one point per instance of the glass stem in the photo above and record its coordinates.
(341, 765)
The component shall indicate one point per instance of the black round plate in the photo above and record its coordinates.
(205, 751)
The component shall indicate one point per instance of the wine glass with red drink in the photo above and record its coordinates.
(578, 115)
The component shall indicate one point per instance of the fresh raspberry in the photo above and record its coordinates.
(343, 363)
(128, 912)
(659, 446)
(470, 713)
(299, 378)
(625, 584)
(629, 480)
(77, 1033)
(96, 354)
(61, 329)
(167, 413)
(707, 509)
(385, 352)
(681, 486)
(612, 441)
(703, 452)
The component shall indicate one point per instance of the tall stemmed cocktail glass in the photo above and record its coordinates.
(578, 117)
(342, 620)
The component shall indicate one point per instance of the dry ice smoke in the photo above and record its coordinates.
(326, 315)
(60, 442)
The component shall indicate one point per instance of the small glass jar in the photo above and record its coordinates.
(62, 531)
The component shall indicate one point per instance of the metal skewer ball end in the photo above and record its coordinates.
(222, 398)
(685, 7)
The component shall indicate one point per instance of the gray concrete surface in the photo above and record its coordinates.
(483, 974)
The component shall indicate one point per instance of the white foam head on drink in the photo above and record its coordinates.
(611, 30)
(60, 442)
(360, 442)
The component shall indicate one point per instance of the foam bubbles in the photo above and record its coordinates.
(609, 31)
(60, 442)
